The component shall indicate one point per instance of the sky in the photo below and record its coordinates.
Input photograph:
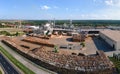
(60, 9)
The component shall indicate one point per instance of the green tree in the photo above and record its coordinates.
(17, 34)
(83, 44)
(56, 49)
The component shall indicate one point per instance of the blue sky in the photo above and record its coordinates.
(60, 9)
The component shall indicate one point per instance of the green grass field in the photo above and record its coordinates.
(0, 72)
(16, 62)
(116, 63)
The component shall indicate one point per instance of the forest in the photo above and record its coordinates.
(61, 22)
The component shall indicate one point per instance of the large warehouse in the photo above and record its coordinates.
(112, 37)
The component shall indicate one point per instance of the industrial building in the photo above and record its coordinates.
(112, 37)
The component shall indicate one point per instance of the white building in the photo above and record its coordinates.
(32, 27)
(112, 37)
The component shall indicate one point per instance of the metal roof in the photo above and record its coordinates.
(112, 34)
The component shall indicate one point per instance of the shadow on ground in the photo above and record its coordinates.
(101, 44)
(69, 39)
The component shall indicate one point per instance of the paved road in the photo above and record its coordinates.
(35, 68)
(9, 69)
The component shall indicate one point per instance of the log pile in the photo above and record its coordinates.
(98, 63)
(78, 37)
(38, 41)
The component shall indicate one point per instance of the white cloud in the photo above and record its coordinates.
(45, 7)
(112, 13)
(112, 2)
(109, 2)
